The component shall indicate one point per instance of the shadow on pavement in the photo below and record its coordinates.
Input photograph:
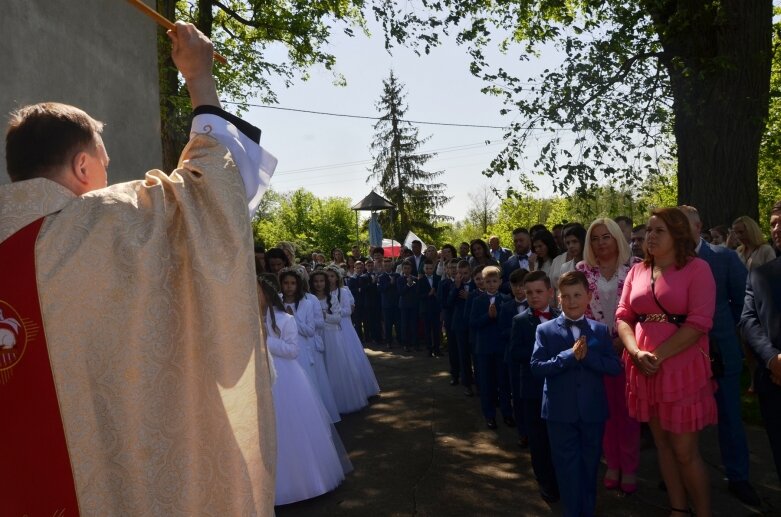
(422, 449)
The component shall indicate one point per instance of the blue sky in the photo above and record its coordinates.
(330, 155)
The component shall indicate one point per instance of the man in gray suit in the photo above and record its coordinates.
(760, 325)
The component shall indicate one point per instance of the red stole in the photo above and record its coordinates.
(35, 470)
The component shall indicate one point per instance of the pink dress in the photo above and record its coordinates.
(680, 394)
(621, 439)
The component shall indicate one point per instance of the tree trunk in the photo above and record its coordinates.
(719, 63)
(174, 105)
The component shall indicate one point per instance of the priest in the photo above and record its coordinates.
(134, 378)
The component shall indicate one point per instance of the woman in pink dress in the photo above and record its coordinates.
(607, 260)
(663, 319)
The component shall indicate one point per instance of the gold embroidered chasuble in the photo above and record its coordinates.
(150, 311)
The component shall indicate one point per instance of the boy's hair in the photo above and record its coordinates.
(428, 262)
(491, 271)
(536, 276)
(517, 276)
(463, 263)
(478, 269)
(456, 262)
(573, 278)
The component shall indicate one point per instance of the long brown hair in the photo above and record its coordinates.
(683, 243)
(269, 286)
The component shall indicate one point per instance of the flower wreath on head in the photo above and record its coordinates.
(335, 269)
(300, 273)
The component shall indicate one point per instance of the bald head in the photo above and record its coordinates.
(695, 224)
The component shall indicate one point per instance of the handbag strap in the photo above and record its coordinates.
(658, 303)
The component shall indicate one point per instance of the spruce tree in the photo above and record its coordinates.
(399, 169)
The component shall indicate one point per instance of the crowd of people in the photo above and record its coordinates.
(577, 335)
(149, 367)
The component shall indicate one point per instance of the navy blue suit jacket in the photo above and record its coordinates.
(408, 294)
(573, 389)
(504, 254)
(729, 274)
(354, 285)
(508, 267)
(389, 293)
(369, 290)
(429, 304)
(760, 323)
(486, 329)
(443, 297)
(470, 299)
(507, 312)
(523, 336)
(458, 305)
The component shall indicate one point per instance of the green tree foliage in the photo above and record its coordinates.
(526, 211)
(250, 34)
(305, 220)
(770, 150)
(400, 173)
(634, 76)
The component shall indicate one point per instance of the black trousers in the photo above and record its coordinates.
(464, 357)
(453, 353)
(770, 407)
(539, 447)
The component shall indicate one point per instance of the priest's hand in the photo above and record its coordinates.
(193, 55)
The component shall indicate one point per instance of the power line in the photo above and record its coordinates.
(437, 160)
(441, 150)
(363, 117)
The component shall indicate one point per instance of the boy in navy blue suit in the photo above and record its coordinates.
(489, 349)
(462, 286)
(429, 308)
(407, 284)
(507, 311)
(572, 353)
(389, 298)
(539, 293)
(477, 283)
(443, 296)
(353, 283)
(371, 302)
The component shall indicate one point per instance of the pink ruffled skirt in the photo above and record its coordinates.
(679, 395)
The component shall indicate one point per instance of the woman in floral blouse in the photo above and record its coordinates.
(606, 261)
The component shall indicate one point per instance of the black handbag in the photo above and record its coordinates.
(716, 359)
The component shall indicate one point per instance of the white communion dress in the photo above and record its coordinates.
(344, 377)
(310, 456)
(353, 345)
(310, 355)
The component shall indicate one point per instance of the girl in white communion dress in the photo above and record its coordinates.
(310, 456)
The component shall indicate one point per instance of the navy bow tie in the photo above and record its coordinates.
(523, 257)
(581, 324)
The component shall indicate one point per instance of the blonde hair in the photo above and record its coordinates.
(753, 233)
(615, 231)
(290, 250)
(491, 271)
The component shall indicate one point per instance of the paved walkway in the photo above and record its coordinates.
(422, 449)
